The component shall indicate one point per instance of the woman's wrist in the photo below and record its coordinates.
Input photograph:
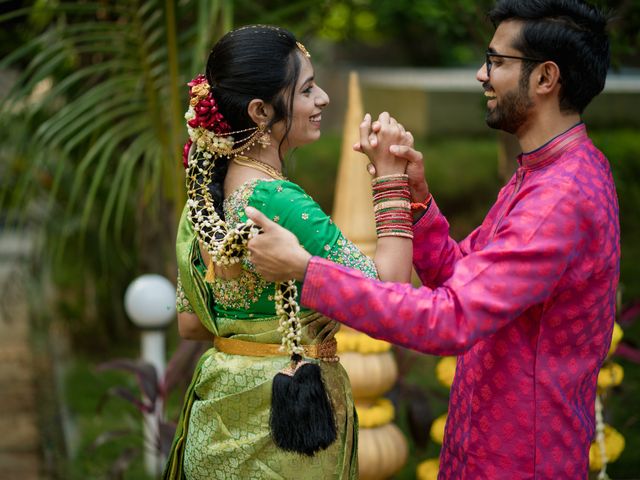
(383, 171)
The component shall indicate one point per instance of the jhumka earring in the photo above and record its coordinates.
(265, 136)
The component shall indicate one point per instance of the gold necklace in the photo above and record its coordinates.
(251, 162)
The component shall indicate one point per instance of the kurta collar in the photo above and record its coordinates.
(550, 151)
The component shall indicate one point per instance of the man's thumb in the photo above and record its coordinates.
(258, 217)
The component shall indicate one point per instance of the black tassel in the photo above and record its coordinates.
(301, 418)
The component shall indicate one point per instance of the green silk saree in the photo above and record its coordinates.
(223, 430)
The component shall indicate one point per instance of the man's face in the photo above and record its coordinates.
(509, 104)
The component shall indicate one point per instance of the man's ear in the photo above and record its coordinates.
(547, 77)
(260, 112)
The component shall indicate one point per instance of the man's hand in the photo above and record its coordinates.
(402, 150)
(276, 253)
(415, 169)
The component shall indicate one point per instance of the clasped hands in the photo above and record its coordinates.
(391, 151)
(277, 253)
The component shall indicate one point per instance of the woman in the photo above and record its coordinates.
(259, 100)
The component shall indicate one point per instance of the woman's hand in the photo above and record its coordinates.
(402, 150)
(376, 144)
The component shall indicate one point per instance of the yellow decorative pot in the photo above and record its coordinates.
(370, 375)
(382, 451)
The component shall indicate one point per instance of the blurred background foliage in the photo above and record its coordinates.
(91, 132)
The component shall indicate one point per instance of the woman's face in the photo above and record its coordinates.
(308, 101)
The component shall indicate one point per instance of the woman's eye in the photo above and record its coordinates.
(308, 89)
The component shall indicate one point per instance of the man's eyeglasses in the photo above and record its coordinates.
(489, 63)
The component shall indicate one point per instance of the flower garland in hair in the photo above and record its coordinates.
(210, 138)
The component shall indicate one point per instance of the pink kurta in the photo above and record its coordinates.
(526, 302)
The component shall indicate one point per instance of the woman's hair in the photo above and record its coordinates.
(256, 61)
(571, 33)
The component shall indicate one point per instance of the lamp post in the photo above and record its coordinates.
(150, 304)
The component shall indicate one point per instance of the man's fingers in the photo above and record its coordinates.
(258, 218)
(373, 140)
(406, 152)
(383, 118)
(376, 126)
(357, 147)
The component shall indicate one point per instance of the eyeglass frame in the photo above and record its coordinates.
(489, 54)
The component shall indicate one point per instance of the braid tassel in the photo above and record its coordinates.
(301, 418)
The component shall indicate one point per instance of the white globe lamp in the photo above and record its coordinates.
(150, 303)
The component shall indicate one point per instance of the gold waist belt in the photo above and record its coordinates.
(323, 351)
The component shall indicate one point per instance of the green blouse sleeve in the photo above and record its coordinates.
(288, 205)
(193, 293)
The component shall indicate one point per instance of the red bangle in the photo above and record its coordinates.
(425, 204)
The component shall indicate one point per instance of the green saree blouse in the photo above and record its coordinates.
(223, 430)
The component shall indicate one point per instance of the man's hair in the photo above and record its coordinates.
(570, 33)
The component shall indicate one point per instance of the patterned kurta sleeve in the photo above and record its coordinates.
(488, 288)
(288, 205)
(435, 253)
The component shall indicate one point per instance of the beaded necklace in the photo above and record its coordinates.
(247, 161)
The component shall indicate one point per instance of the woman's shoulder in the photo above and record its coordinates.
(262, 193)
(276, 187)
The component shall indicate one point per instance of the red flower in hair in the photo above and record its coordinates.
(185, 153)
(206, 111)
(197, 80)
(205, 107)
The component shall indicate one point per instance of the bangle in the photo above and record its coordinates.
(392, 206)
(424, 205)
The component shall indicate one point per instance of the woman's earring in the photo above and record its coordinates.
(264, 139)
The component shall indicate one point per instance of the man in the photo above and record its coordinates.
(526, 301)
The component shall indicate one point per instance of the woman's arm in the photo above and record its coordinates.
(393, 259)
(393, 256)
(190, 327)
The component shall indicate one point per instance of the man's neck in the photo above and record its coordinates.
(544, 129)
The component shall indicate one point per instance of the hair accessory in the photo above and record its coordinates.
(304, 51)
(264, 138)
(301, 417)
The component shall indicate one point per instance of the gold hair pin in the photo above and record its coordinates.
(304, 51)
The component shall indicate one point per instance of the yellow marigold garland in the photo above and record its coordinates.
(428, 470)
(360, 343)
(611, 375)
(380, 413)
(613, 446)
(446, 370)
(437, 428)
(615, 338)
